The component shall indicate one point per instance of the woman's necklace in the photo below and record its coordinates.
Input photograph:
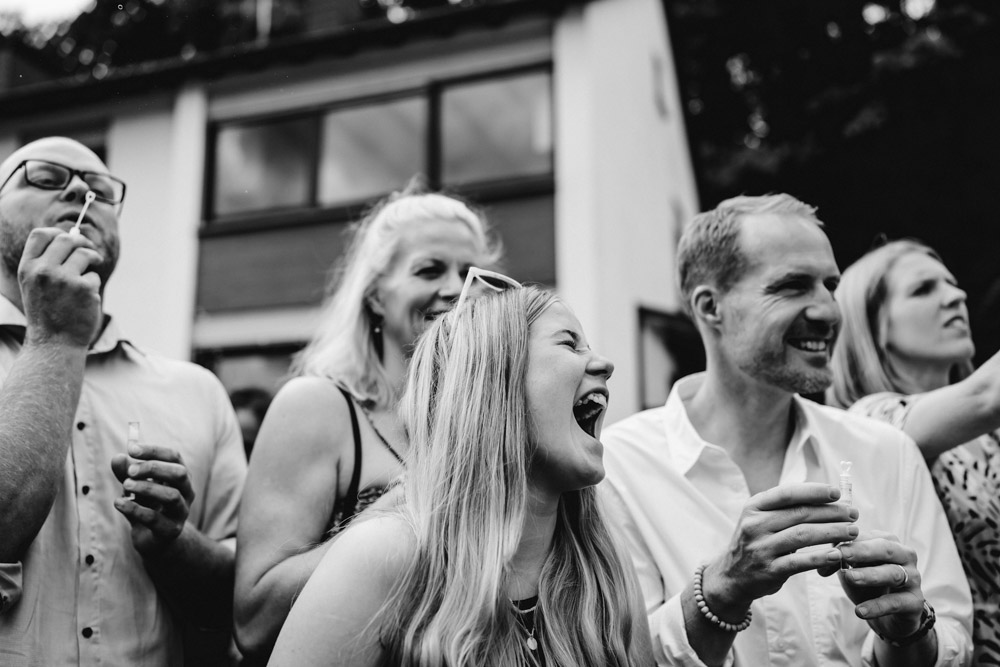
(526, 617)
(371, 422)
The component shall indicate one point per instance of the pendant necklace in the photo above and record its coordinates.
(371, 422)
(531, 642)
(524, 617)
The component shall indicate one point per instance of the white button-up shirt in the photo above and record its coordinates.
(81, 594)
(676, 500)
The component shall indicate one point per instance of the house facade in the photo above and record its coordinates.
(245, 168)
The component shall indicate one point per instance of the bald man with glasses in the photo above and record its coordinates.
(112, 551)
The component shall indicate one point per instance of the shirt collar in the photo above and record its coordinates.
(686, 446)
(801, 457)
(110, 338)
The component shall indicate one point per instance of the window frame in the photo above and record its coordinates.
(208, 203)
(431, 91)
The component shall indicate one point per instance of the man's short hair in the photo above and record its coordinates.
(709, 251)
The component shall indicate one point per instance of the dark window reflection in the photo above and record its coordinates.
(496, 129)
(263, 166)
(372, 149)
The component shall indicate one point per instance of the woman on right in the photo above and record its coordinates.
(904, 355)
(498, 554)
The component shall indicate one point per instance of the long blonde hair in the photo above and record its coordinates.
(466, 500)
(346, 346)
(860, 363)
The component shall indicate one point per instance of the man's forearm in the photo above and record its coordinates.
(37, 405)
(195, 574)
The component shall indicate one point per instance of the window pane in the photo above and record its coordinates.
(263, 166)
(527, 228)
(497, 129)
(371, 150)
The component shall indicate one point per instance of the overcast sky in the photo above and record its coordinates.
(39, 11)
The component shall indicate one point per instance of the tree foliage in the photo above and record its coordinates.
(116, 33)
(882, 114)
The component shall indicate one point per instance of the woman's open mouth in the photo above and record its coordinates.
(588, 410)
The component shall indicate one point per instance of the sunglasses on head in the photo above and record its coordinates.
(481, 279)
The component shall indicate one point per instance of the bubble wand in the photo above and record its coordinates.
(87, 199)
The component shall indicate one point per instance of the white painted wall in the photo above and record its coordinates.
(624, 183)
(159, 150)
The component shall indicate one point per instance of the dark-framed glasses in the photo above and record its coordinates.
(481, 279)
(54, 176)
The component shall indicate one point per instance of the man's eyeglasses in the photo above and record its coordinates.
(481, 278)
(54, 176)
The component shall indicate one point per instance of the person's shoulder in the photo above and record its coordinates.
(634, 440)
(873, 405)
(308, 420)
(388, 529)
(311, 397)
(176, 368)
(853, 429)
(185, 377)
(633, 428)
(384, 543)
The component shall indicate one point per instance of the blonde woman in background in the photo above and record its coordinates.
(498, 554)
(904, 355)
(331, 442)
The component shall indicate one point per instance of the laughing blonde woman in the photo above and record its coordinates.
(498, 554)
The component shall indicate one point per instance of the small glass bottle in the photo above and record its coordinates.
(846, 495)
(846, 491)
(133, 439)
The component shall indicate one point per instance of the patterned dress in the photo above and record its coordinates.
(967, 479)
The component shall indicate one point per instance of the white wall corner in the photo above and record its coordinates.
(158, 149)
(623, 176)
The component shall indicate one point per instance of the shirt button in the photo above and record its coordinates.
(85, 490)
(87, 632)
(89, 559)
(80, 426)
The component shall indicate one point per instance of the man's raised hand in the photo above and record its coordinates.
(60, 295)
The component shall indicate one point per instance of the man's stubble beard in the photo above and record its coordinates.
(14, 238)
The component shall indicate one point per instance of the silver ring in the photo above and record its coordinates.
(906, 576)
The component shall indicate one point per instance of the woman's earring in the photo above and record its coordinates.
(377, 329)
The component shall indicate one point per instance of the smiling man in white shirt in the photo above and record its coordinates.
(728, 496)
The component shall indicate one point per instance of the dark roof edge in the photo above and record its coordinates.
(342, 41)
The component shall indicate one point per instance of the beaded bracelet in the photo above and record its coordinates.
(699, 597)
